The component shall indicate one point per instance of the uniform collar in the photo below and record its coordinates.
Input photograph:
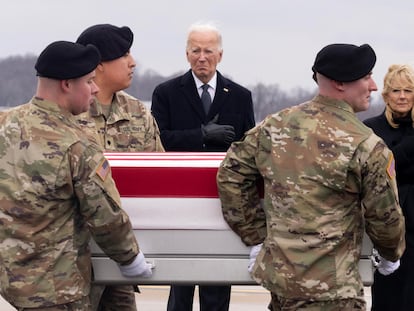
(51, 107)
(116, 111)
(337, 103)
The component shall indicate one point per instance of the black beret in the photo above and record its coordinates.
(344, 62)
(62, 60)
(111, 41)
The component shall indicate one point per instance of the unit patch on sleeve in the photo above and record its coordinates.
(391, 167)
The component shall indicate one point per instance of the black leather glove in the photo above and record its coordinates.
(218, 133)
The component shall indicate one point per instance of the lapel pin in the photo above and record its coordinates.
(225, 89)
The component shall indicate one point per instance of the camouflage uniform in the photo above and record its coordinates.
(326, 178)
(130, 125)
(56, 191)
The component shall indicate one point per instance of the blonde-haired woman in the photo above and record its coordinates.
(395, 292)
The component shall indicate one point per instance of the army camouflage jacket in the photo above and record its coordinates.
(327, 178)
(130, 126)
(56, 191)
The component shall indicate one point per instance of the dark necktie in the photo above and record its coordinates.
(206, 98)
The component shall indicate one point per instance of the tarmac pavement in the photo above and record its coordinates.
(243, 298)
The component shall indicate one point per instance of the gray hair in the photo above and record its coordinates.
(205, 27)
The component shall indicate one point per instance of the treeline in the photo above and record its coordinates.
(18, 84)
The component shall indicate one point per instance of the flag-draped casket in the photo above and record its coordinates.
(173, 204)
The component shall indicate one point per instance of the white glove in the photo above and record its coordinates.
(139, 267)
(386, 267)
(254, 251)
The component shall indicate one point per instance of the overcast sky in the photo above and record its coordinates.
(268, 41)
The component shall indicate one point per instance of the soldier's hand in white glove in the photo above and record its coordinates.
(386, 267)
(254, 251)
(139, 267)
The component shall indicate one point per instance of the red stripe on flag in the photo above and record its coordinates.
(166, 181)
(167, 174)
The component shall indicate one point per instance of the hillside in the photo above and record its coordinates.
(18, 84)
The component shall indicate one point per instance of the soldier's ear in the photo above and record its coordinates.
(64, 84)
(338, 85)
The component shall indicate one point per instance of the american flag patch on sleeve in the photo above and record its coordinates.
(103, 169)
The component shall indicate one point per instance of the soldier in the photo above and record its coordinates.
(56, 191)
(326, 178)
(121, 122)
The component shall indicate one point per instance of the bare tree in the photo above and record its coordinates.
(17, 80)
(18, 83)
